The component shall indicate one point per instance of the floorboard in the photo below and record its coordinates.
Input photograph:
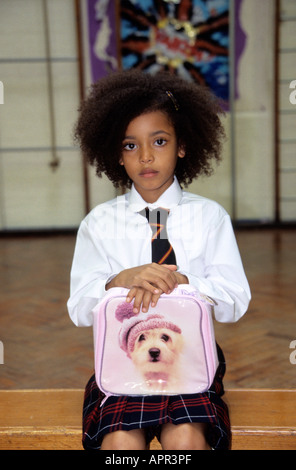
(43, 349)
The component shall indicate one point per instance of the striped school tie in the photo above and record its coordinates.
(162, 250)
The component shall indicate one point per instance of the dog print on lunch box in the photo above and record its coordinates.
(170, 349)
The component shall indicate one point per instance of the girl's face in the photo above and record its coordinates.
(149, 154)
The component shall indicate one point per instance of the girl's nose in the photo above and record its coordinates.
(146, 156)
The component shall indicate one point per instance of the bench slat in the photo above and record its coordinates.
(51, 419)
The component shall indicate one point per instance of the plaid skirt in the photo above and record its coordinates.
(150, 412)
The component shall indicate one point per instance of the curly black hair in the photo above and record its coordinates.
(117, 99)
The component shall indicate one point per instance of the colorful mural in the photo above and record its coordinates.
(187, 37)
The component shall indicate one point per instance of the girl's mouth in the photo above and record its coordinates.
(148, 173)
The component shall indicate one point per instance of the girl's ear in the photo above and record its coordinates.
(181, 151)
(121, 161)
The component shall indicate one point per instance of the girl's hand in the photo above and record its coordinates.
(146, 298)
(153, 278)
(147, 283)
(142, 299)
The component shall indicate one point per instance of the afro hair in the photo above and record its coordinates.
(114, 101)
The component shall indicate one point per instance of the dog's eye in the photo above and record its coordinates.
(142, 337)
(165, 337)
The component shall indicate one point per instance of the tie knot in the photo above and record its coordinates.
(156, 216)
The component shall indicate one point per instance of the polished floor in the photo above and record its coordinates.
(43, 349)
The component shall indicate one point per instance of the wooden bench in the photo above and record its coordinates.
(51, 419)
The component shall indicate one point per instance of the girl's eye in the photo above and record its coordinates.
(160, 142)
(129, 146)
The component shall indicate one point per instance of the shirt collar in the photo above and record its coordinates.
(169, 199)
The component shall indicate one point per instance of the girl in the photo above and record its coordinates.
(150, 134)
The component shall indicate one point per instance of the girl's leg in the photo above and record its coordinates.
(185, 436)
(125, 440)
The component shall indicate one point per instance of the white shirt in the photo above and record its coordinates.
(114, 236)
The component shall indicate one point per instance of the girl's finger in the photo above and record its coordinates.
(146, 301)
(154, 299)
(138, 298)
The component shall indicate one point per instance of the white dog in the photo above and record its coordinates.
(154, 343)
(156, 355)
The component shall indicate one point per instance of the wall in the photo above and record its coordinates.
(287, 111)
(33, 195)
(253, 124)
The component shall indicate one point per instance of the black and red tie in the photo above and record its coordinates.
(162, 250)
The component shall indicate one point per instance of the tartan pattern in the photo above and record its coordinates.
(162, 250)
(150, 412)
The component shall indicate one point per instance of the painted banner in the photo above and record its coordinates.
(100, 30)
(187, 37)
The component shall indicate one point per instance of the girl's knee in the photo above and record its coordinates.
(124, 440)
(186, 436)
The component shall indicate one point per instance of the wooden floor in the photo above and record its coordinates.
(43, 349)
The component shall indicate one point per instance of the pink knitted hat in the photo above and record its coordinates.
(133, 324)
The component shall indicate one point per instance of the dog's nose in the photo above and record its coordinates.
(154, 353)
